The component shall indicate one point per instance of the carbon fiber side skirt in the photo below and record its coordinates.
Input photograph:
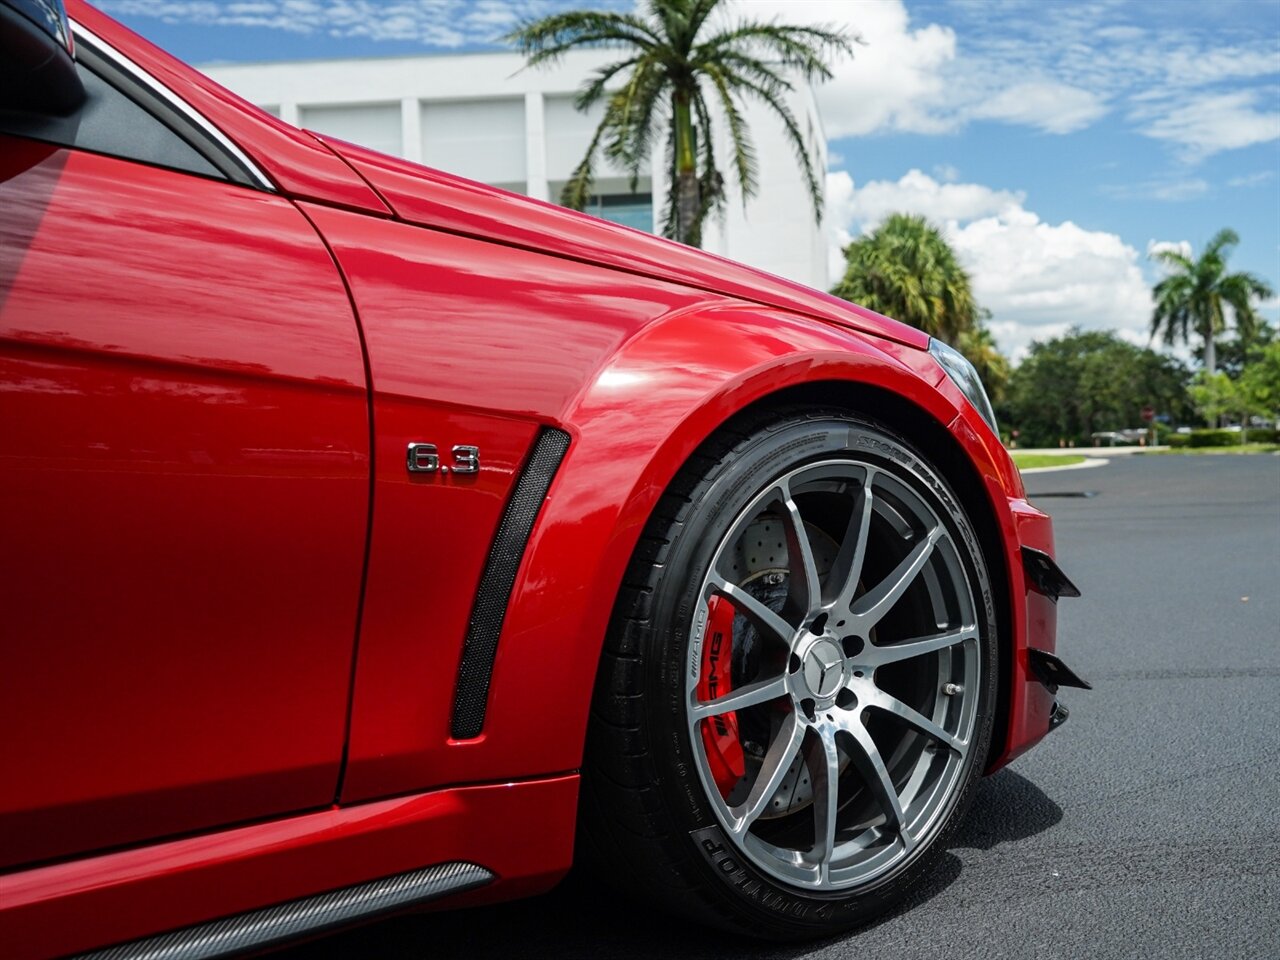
(286, 921)
(471, 696)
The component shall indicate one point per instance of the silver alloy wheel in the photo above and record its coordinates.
(857, 704)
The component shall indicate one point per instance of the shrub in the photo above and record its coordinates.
(1178, 440)
(1263, 435)
(1214, 438)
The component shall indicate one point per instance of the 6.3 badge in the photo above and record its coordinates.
(425, 458)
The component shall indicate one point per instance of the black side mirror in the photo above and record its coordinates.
(37, 65)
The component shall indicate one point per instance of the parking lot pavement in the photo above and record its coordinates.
(1148, 826)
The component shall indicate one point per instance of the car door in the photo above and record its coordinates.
(184, 484)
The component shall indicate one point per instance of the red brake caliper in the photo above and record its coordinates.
(720, 733)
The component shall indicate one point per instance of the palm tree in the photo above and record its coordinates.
(905, 269)
(676, 64)
(1191, 298)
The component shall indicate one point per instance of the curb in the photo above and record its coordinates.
(1087, 464)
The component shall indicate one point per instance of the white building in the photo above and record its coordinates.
(486, 117)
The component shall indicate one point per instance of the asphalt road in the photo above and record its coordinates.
(1148, 826)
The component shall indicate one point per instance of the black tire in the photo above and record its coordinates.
(647, 822)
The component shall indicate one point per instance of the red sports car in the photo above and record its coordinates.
(369, 532)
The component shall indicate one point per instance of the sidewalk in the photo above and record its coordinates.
(1106, 452)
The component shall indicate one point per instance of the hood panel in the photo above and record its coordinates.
(447, 202)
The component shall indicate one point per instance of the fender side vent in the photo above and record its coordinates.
(286, 921)
(471, 696)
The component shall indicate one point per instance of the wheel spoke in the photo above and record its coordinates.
(748, 696)
(826, 801)
(846, 571)
(777, 760)
(890, 704)
(803, 569)
(765, 620)
(892, 653)
(871, 764)
(871, 607)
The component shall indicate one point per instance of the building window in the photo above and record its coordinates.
(629, 209)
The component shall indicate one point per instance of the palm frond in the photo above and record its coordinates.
(744, 153)
(699, 11)
(806, 48)
(635, 106)
(711, 194)
(546, 40)
(1173, 259)
(597, 86)
(1219, 246)
(577, 189)
(669, 218)
(738, 65)
(798, 146)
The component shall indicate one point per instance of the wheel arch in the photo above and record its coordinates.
(639, 421)
(926, 431)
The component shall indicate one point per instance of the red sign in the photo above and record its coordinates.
(1148, 414)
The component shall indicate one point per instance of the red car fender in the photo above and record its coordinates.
(660, 396)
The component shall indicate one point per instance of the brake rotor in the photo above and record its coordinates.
(760, 566)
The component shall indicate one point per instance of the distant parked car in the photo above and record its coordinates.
(1129, 436)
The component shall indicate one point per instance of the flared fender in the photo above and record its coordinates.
(638, 420)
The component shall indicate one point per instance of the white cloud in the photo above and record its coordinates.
(1054, 67)
(1045, 277)
(1171, 189)
(894, 78)
(1051, 106)
(1210, 123)
(433, 23)
(914, 78)
(917, 192)
(1251, 179)
(1037, 278)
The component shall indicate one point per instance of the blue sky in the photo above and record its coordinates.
(1055, 141)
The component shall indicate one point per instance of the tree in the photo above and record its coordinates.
(905, 269)
(1084, 382)
(1191, 299)
(1234, 356)
(676, 63)
(1260, 382)
(1215, 396)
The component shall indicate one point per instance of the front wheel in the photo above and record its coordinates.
(796, 695)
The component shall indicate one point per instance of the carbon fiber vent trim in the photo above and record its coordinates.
(272, 925)
(472, 693)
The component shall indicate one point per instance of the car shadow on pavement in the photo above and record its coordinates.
(583, 918)
(1007, 807)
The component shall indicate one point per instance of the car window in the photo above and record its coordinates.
(111, 122)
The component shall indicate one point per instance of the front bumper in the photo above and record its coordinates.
(1036, 673)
